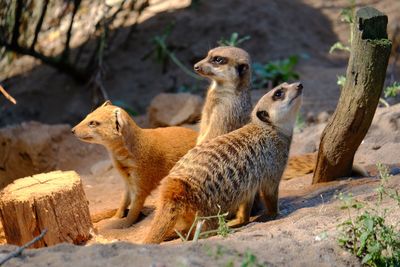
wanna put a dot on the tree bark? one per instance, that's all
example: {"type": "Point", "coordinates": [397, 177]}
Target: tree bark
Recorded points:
{"type": "Point", "coordinates": [370, 50]}
{"type": "Point", "coordinates": [54, 201]}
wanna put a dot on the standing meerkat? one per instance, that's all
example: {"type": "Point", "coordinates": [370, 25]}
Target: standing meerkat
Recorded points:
{"type": "Point", "coordinates": [229, 169]}
{"type": "Point", "coordinates": [142, 156]}
{"type": "Point", "coordinates": [227, 106]}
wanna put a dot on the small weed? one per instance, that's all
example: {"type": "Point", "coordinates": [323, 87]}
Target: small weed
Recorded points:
{"type": "Point", "coordinates": [246, 259]}
{"type": "Point", "coordinates": [275, 72]}
{"type": "Point", "coordinates": [367, 234]}
{"type": "Point", "coordinates": [250, 260]}
{"type": "Point", "coordinates": [341, 80]}
{"type": "Point", "coordinates": [222, 230]}
{"type": "Point", "coordinates": [163, 53]}
{"type": "Point", "coordinates": [233, 40]}
{"type": "Point", "coordinates": [392, 90]}
{"type": "Point", "coordinates": [300, 123]}
{"type": "Point", "coordinates": [347, 16]}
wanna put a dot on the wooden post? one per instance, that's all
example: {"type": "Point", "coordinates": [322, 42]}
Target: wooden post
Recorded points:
{"type": "Point", "coordinates": [54, 201]}
{"type": "Point", "coordinates": [370, 50]}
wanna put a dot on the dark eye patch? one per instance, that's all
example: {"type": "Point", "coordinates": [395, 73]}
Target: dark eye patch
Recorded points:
{"type": "Point", "coordinates": [263, 115]}
{"type": "Point", "coordinates": [93, 124]}
{"type": "Point", "coordinates": [218, 60]}
{"type": "Point", "coordinates": [279, 94]}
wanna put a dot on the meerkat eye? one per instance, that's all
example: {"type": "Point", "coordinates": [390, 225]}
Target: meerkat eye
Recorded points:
{"type": "Point", "coordinates": [93, 124]}
{"type": "Point", "coordinates": [279, 94]}
{"type": "Point", "coordinates": [219, 60]}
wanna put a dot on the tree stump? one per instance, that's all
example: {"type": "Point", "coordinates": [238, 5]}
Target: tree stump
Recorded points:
{"type": "Point", "coordinates": [54, 201]}
{"type": "Point", "coordinates": [370, 50]}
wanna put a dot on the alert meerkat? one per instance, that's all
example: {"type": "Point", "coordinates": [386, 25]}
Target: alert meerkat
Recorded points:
{"type": "Point", "coordinates": [229, 169]}
{"type": "Point", "coordinates": [142, 156]}
{"type": "Point", "coordinates": [227, 106]}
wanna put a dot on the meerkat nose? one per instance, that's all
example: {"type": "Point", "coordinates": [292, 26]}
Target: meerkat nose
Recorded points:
{"type": "Point", "coordinates": [299, 86]}
{"type": "Point", "coordinates": [196, 67]}
{"type": "Point", "coordinates": [73, 130]}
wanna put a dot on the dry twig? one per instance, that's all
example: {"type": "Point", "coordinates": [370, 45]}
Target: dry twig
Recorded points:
{"type": "Point", "coordinates": [19, 250]}
{"type": "Point", "coordinates": [7, 95]}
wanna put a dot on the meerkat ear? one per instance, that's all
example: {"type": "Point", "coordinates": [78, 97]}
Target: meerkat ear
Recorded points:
{"type": "Point", "coordinates": [107, 103]}
{"type": "Point", "coordinates": [242, 69]}
{"type": "Point", "coordinates": [118, 121]}
{"type": "Point", "coordinates": [263, 116]}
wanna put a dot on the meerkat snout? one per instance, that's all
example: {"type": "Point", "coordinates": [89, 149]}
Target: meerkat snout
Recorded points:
{"type": "Point", "coordinates": [280, 106]}
{"type": "Point", "coordinates": [225, 64]}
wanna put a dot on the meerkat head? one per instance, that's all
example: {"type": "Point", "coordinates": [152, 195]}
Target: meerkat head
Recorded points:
{"type": "Point", "coordinates": [279, 107]}
{"type": "Point", "coordinates": [102, 126]}
{"type": "Point", "coordinates": [226, 65]}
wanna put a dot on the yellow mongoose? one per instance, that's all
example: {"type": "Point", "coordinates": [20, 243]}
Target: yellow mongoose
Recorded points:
{"type": "Point", "coordinates": [142, 156]}
{"type": "Point", "coordinates": [227, 106]}
{"type": "Point", "coordinates": [229, 169]}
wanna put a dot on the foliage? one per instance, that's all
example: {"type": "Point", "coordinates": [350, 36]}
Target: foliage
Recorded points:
{"type": "Point", "coordinates": [275, 72]}
{"type": "Point", "coordinates": [246, 259]}
{"type": "Point", "coordinates": [368, 235]}
{"type": "Point", "coordinates": [222, 230]}
{"type": "Point", "coordinates": [347, 16]}
{"type": "Point", "coordinates": [300, 123]}
{"type": "Point", "coordinates": [339, 46]}
{"type": "Point", "coordinates": [233, 40]}
{"type": "Point", "coordinates": [341, 80]}
{"type": "Point", "coordinates": [163, 53]}
{"type": "Point", "coordinates": [392, 90]}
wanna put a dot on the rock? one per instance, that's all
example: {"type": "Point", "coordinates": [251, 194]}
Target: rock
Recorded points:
{"type": "Point", "coordinates": [174, 109]}
{"type": "Point", "coordinates": [323, 117]}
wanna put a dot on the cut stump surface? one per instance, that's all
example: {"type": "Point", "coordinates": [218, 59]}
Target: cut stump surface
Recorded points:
{"type": "Point", "coordinates": [54, 201]}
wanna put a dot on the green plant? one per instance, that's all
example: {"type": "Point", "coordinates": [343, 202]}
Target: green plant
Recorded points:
{"type": "Point", "coordinates": [222, 230]}
{"type": "Point", "coordinates": [233, 40]}
{"type": "Point", "coordinates": [300, 123]}
{"type": "Point", "coordinates": [250, 260]}
{"type": "Point", "coordinates": [163, 53]}
{"type": "Point", "coordinates": [392, 90]}
{"type": "Point", "coordinates": [341, 80]}
{"type": "Point", "coordinates": [368, 235]}
{"type": "Point", "coordinates": [347, 16]}
{"type": "Point", "coordinates": [275, 72]}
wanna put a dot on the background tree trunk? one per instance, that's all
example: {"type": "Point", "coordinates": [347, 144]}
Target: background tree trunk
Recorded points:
{"type": "Point", "coordinates": [370, 50]}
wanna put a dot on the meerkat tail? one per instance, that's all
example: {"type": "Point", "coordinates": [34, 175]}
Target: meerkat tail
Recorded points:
{"type": "Point", "coordinates": [102, 215]}
{"type": "Point", "coordinates": [301, 165]}
{"type": "Point", "coordinates": [162, 224]}
{"type": "Point", "coordinates": [169, 210]}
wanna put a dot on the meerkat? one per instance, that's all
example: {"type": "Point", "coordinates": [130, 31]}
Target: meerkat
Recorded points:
{"type": "Point", "coordinates": [227, 106]}
{"type": "Point", "coordinates": [228, 170]}
{"type": "Point", "coordinates": [142, 156]}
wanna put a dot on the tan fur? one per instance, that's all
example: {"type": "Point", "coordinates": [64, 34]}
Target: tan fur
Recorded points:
{"type": "Point", "coordinates": [301, 165]}
{"type": "Point", "coordinates": [227, 106]}
{"type": "Point", "coordinates": [142, 156]}
{"type": "Point", "coordinates": [229, 169]}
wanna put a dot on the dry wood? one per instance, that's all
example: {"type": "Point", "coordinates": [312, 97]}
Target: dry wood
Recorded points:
{"type": "Point", "coordinates": [370, 50]}
{"type": "Point", "coordinates": [7, 95]}
{"type": "Point", "coordinates": [53, 201]}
